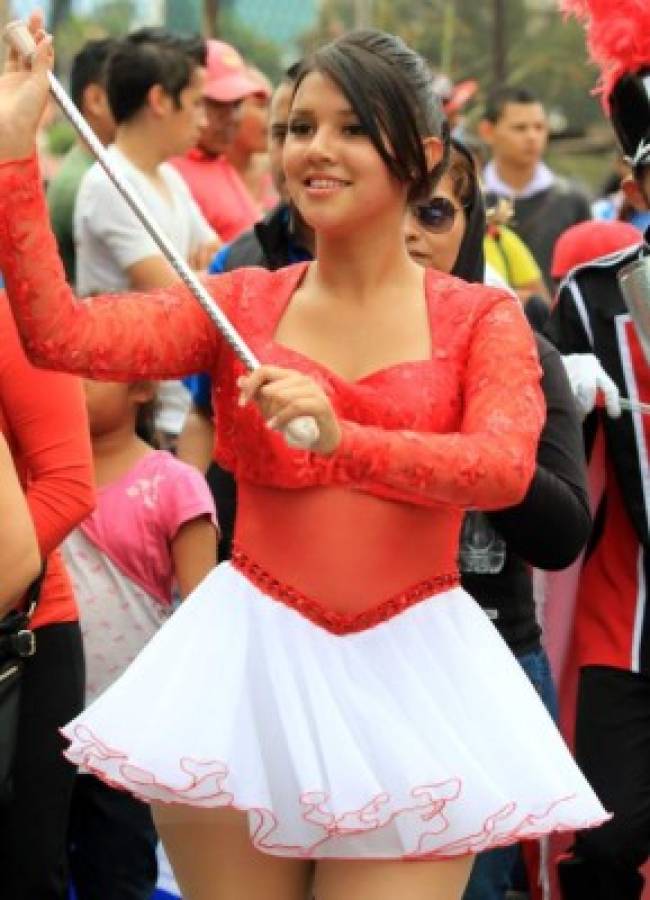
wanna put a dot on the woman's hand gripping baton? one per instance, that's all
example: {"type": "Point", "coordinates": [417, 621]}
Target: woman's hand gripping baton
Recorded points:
{"type": "Point", "coordinates": [302, 432]}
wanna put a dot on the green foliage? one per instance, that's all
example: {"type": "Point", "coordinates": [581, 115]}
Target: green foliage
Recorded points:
{"type": "Point", "coordinates": [115, 16]}
{"type": "Point", "coordinates": [60, 138]}
{"type": "Point", "coordinates": [254, 47]}
{"type": "Point", "coordinates": [543, 51]}
{"type": "Point", "coordinates": [110, 18]}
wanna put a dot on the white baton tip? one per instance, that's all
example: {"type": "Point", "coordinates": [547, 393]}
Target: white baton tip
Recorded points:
{"type": "Point", "coordinates": [19, 37]}
{"type": "Point", "coordinates": [302, 433]}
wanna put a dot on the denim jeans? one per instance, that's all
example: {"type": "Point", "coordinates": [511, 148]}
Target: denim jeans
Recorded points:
{"type": "Point", "coordinates": [492, 874]}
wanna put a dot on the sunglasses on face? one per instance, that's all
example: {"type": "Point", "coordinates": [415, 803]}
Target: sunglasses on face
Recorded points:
{"type": "Point", "coordinates": [437, 215]}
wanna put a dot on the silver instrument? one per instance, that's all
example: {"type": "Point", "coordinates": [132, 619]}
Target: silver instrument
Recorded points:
{"type": "Point", "coordinates": [302, 432]}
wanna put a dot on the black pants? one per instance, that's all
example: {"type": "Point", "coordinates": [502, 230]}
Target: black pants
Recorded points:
{"type": "Point", "coordinates": [613, 751]}
{"type": "Point", "coordinates": [112, 844]}
{"type": "Point", "coordinates": [224, 491]}
{"type": "Point", "coordinates": [34, 823]}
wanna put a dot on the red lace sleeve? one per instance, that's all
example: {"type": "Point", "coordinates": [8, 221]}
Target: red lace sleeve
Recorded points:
{"type": "Point", "coordinates": [162, 334]}
{"type": "Point", "coordinates": [490, 462]}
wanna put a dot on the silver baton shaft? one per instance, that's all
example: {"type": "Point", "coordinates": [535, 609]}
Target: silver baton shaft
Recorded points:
{"type": "Point", "coordinates": [302, 431]}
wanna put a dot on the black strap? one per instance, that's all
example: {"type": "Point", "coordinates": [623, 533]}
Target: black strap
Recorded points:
{"type": "Point", "coordinates": [34, 591]}
{"type": "Point", "coordinates": [16, 638]}
{"type": "Point", "coordinates": [21, 643]}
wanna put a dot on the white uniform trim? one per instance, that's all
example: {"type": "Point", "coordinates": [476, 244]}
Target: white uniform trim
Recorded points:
{"type": "Point", "coordinates": [644, 466]}
{"type": "Point", "coordinates": [581, 310]}
{"type": "Point", "coordinates": [639, 613]}
{"type": "Point", "coordinates": [602, 262]}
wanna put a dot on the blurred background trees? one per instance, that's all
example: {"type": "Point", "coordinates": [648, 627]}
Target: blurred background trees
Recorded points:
{"type": "Point", "coordinates": [519, 40]}
{"type": "Point", "coordinates": [522, 41]}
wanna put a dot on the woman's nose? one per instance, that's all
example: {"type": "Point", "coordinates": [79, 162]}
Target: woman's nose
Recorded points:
{"type": "Point", "coordinates": [321, 145]}
{"type": "Point", "coordinates": [411, 228]}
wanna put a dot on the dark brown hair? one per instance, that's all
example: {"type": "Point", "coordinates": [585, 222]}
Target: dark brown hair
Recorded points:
{"type": "Point", "coordinates": [461, 171]}
{"type": "Point", "coordinates": [147, 57]}
{"type": "Point", "coordinates": [390, 88]}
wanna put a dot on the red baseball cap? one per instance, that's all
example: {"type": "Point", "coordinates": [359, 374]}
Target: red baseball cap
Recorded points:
{"type": "Point", "coordinates": [227, 77]}
{"type": "Point", "coordinates": [586, 241]}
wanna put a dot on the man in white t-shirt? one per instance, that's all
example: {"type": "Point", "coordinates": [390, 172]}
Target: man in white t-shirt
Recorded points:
{"type": "Point", "coordinates": [155, 89]}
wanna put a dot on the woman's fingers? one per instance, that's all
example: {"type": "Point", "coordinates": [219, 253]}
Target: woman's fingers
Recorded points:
{"type": "Point", "coordinates": [249, 385]}
{"type": "Point", "coordinates": [24, 88]}
{"type": "Point", "coordinates": [284, 395]}
{"type": "Point", "coordinates": [274, 408]}
{"type": "Point", "coordinates": [295, 408]}
{"type": "Point", "coordinates": [29, 44]}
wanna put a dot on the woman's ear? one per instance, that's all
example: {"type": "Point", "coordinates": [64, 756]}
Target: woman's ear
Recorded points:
{"type": "Point", "coordinates": [433, 150]}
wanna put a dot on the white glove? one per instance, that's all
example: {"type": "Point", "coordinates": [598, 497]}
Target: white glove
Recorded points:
{"type": "Point", "coordinates": [587, 379]}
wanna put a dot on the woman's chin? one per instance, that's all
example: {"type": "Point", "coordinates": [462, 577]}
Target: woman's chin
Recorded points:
{"type": "Point", "coordinates": [422, 259]}
{"type": "Point", "coordinates": [327, 224]}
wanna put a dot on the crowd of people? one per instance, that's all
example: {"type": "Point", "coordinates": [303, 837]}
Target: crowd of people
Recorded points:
{"type": "Point", "coordinates": [331, 671]}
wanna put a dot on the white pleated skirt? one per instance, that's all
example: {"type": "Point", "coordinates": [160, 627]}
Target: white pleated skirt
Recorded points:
{"type": "Point", "coordinates": [418, 738]}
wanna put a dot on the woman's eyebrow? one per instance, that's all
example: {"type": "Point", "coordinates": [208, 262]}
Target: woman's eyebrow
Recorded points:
{"type": "Point", "coordinates": [305, 111]}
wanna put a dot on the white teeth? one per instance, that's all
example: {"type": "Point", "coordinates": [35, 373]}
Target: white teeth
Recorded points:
{"type": "Point", "coordinates": [323, 183]}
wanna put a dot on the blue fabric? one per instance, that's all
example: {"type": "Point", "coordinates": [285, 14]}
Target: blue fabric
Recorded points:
{"type": "Point", "coordinates": [492, 873]}
{"type": "Point", "coordinates": [200, 387]}
{"type": "Point", "coordinates": [218, 264]}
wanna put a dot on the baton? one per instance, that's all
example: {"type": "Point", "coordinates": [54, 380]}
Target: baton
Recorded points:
{"type": "Point", "coordinates": [302, 432]}
{"type": "Point", "coordinates": [634, 406]}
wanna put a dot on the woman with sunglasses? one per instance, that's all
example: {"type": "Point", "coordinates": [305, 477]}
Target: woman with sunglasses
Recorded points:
{"type": "Point", "coordinates": [441, 217]}
{"type": "Point", "coordinates": [314, 717]}
{"type": "Point", "coordinates": [550, 527]}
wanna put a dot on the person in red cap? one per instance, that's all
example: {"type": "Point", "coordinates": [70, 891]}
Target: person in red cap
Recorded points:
{"type": "Point", "coordinates": [611, 638]}
{"type": "Point", "coordinates": [248, 149]}
{"type": "Point", "coordinates": [587, 241]}
{"type": "Point", "coordinates": [214, 182]}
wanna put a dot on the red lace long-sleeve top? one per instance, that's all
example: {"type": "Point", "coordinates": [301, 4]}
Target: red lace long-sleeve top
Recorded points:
{"type": "Point", "coordinates": [43, 418]}
{"type": "Point", "coordinates": [377, 521]}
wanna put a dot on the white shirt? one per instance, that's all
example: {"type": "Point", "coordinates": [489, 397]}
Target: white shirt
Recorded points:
{"type": "Point", "coordinates": [492, 279]}
{"type": "Point", "coordinates": [542, 180]}
{"type": "Point", "coordinates": [116, 615]}
{"type": "Point", "coordinates": [109, 239]}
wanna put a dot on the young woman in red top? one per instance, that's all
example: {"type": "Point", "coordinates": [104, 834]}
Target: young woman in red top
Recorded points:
{"type": "Point", "coordinates": [43, 419]}
{"type": "Point", "coordinates": [329, 705]}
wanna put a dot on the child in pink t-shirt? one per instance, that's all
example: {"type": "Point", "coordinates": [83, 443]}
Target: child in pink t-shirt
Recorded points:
{"type": "Point", "coordinates": [151, 539]}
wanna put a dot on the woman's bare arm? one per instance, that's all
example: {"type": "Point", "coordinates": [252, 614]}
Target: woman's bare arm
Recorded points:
{"type": "Point", "coordinates": [19, 557]}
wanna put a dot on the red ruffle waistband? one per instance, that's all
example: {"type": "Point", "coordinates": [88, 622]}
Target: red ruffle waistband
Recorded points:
{"type": "Point", "coordinates": [332, 620]}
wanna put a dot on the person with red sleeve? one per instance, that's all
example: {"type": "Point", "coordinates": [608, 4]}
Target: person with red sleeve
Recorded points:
{"type": "Point", "coordinates": [43, 420]}
{"type": "Point", "coordinates": [215, 183]}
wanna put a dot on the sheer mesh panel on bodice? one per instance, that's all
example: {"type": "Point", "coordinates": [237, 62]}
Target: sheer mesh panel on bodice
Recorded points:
{"type": "Point", "coordinates": [423, 439]}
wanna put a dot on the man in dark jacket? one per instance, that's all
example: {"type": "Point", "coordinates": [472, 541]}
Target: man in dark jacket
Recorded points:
{"type": "Point", "coordinates": [515, 126]}
{"type": "Point", "coordinates": [612, 628]}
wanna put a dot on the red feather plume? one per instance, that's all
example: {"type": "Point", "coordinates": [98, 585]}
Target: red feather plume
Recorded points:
{"type": "Point", "coordinates": [618, 36]}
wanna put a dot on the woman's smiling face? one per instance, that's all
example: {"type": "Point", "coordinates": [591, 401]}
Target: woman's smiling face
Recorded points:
{"type": "Point", "coordinates": [334, 173]}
